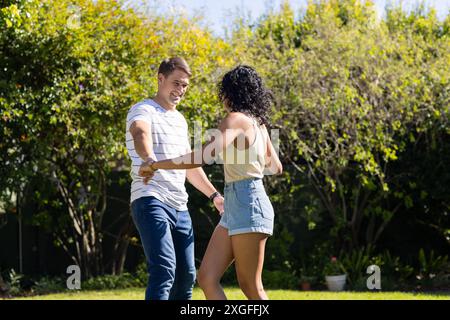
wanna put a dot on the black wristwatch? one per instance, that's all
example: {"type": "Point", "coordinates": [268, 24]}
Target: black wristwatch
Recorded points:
{"type": "Point", "coordinates": [215, 194]}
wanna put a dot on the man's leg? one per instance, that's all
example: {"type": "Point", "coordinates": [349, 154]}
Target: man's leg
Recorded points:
{"type": "Point", "coordinates": [154, 223]}
{"type": "Point", "coordinates": [183, 238]}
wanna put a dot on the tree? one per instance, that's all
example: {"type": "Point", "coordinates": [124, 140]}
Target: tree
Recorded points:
{"type": "Point", "coordinates": [351, 93]}
{"type": "Point", "coordinates": [70, 74]}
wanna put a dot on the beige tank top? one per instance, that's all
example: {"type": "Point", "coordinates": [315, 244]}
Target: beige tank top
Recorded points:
{"type": "Point", "coordinates": [240, 163]}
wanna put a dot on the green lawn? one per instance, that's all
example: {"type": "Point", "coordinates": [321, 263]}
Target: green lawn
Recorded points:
{"type": "Point", "coordinates": [236, 294]}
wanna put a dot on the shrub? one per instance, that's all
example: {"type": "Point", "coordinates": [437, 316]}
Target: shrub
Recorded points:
{"type": "Point", "coordinates": [433, 270]}
{"type": "Point", "coordinates": [395, 275]}
{"type": "Point", "coordinates": [280, 280]}
{"type": "Point", "coordinates": [108, 282]}
{"type": "Point", "coordinates": [48, 285]}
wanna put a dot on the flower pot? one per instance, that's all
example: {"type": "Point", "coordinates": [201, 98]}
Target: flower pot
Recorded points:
{"type": "Point", "coordinates": [306, 286]}
{"type": "Point", "coordinates": [336, 283]}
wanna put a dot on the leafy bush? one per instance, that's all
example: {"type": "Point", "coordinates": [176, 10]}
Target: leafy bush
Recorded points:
{"type": "Point", "coordinates": [280, 280]}
{"type": "Point", "coordinates": [395, 275]}
{"type": "Point", "coordinates": [69, 73]}
{"type": "Point", "coordinates": [433, 270]}
{"type": "Point", "coordinates": [18, 284]}
{"type": "Point", "coordinates": [142, 273]}
{"type": "Point", "coordinates": [14, 282]}
{"type": "Point", "coordinates": [314, 262]}
{"type": "Point", "coordinates": [355, 264]}
{"type": "Point", "coordinates": [361, 104]}
{"type": "Point", "coordinates": [109, 282]}
{"type": "Point", "coordinates": [48, 285]}
{"type": "Point", "coordinates": [353, 93]}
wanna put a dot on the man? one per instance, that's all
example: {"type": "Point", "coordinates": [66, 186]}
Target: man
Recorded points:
{"type": "Point", "coordinates": [156, 131]}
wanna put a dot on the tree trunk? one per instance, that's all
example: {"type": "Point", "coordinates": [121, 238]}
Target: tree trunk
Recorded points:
{"type": "Point", "coordinates": [121, 246]}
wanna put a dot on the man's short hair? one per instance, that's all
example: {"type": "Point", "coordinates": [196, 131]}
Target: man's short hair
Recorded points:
{"type": "Point", "coordinates": [170, 65]}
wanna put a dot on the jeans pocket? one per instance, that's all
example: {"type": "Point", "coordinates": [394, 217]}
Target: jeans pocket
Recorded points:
{"type": "Point", "coordinates": [242, 197]}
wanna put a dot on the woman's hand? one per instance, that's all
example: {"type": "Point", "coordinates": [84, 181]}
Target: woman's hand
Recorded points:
{"type": "Point", "coordinates": [219, 204]}
{"type": "Point", "coordinates": [147, 171]}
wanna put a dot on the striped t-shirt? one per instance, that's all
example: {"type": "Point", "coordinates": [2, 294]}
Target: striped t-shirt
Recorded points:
{"type": "Point", "coordinates": [170, 139]}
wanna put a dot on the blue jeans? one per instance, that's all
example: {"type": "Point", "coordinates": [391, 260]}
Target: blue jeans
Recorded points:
{"type": "Point", "coordinates": [168, 240]}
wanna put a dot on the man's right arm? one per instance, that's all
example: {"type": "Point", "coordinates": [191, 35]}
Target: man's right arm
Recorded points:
{"type": "Point", "coordinates": [143, 142]}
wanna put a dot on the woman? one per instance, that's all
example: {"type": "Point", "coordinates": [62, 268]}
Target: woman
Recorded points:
{"type": "Point", "coordinates": [247, 153]}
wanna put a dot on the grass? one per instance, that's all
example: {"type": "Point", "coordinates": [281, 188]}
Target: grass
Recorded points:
{"type": "Point", "coordinates": [236, 294]}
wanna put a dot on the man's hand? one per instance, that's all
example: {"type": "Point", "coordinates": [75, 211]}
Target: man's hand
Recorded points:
{"type": "Point", "coordinates": [219, 204]}
{"type": "Point", "coordinates": [146, 171]}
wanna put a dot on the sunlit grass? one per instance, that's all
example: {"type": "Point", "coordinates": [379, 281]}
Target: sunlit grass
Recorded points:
{"type": "Point", "coordinates": [236, 294]}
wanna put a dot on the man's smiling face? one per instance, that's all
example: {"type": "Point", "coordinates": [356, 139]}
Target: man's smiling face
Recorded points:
{"type": "Point", "coordinates": [173, 87]}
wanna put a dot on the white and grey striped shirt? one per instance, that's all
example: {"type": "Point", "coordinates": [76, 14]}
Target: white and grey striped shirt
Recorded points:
{"type": "Point", "coordinates": [170, 139]}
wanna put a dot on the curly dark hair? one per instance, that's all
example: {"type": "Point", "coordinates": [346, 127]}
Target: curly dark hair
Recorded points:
{"type": "Point", "coordinates": [243, 90]}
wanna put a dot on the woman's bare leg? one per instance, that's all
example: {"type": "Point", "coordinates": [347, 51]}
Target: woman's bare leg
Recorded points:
{"type": "Point", "coordinates": [217, 259]}
{"type": "Point", "coordinates": [248, 251]}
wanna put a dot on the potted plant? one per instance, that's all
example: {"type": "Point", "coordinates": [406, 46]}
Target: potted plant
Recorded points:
{"type": "Point", "coordinates": [334, 275]}
{"type": "Point", "coordinates": [305, 282]}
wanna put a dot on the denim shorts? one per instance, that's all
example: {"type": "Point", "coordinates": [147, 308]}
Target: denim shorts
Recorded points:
{"type": "Point", "coordinates": [247, 208]}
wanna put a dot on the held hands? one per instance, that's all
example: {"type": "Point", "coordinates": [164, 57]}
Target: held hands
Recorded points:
{"type": "Point", "coordinates": [146, 170]}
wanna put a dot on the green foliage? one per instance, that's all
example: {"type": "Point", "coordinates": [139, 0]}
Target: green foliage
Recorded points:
{"type": "Point", "coordinates": [123, 281]}
{"type": "Point", "coordinates": [431, 271]}
{"type": "Point", "coordinates": [395, 275]}
{"type": "Point", "coordinates": [142, 273]}
{"type": "Point", "coordinates": [355, 264]}
{"type": "Point", "coordinates": [313, 262]}
{"type": "Point", "coordinates": [334, 267]}
{"type": "Point", "coordinates": [14, 282]}
{"type": "Point", "coordinates": [431, 266]}
{"type": "Point", "coordinates": [21, 285]}
{"type": "Point", "coordinates": [361, 105]}
{"type": "Point", "coordinates": [46, 285]}
{"type": "Point", "coordinates": [352, 93]}
{"type": "Point", "coordinates": [70, 71]}
{"type": "Point", "coordinates": [280, 279]}
{"type": "Point", "coordinates": [279, 247]}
